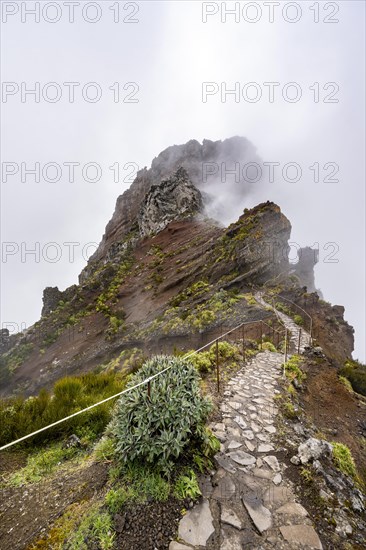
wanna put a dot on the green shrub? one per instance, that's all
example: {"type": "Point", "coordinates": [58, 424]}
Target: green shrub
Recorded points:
{"type": "Point", "coordinates": [293, 370]}
{"type": "Point", "coordinates": [20, 416]}
{"type": "Point", "coordinates": [299, 320]}
{"type": "Point", "coordinates": [355, 372]}
{"type": "Point", "coordinates": [205, 361]}
{"type": "Point", "coordinates": [343, 459]}
{"type": "Point", "coordinates": [284, 309]}
{"type": "Point", "coordinates": [156, 429]}
{"type": "Point", "coordinates": [269, 346]}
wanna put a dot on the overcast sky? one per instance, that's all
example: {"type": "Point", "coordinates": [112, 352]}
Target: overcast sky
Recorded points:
{"type": "Point", "coordinates": [149, 62]}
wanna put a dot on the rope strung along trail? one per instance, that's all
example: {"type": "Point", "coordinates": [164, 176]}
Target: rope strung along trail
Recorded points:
{"type": "Point", "coordinates": [146, 381]}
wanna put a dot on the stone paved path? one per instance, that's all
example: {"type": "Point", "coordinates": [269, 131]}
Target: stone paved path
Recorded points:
{"type": "Point", "coordinates": [248, 503]}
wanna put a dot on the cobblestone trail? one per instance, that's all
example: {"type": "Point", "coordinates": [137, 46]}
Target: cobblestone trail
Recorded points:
{"type": "Point", "coordinates": [248, 503]}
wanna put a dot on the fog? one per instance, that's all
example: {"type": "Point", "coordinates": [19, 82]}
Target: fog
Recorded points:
{"type": "Point", "coordinates": [175, 73]}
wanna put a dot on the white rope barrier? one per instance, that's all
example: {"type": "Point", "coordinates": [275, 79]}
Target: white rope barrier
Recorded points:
{"type": "Point", "coordinates": [120, 393]}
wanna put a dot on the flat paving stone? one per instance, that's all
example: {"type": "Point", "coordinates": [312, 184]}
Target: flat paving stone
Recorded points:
{"type": "Point", "coordinates": [250, 446]}
{"type": "Point", "coordinates": [196, 526]}
{"type": "Point", "coordinates": [225, 463]}
{"type": "Point", "coordinates": [242, 458]}
{"type": "Point", "coordinates": [221, 436]}
{"type": "Point", "coordinates": [265, 448]}
{"type": "Point", "coordinates": [260, 515]}
{"type": "Point", "coordinates": [231, 541]}
{"type": "Point", "coordinates": [270, 429]}
{"type": "Point", "coordinates": [224, 490]}
{"type": "Point", "coordinates": [230, 517]}
{"type": "Point", "coordinates": [276, 495]}
{"type": "Point", "coordinates": [248, 434]}
{"type": "Point", "coordinates": [262, 473]}
{"type": "Point", "coordinates": [234, 445]}
{"type": "Point", "coordinates": [277, 479]}
{"type": "Point", "coordinates": [240, 422]}
{"type": "Point", "coordinates": [301, 534]}
{"type": "Point", "coordinates": [292, 509]}
{"type": "Point", "coordinates": [263, 437]}
{"type": "Point", "coordinates": [272, 462]}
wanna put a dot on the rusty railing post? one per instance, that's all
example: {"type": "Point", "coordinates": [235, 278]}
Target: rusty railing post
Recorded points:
{"type": "Point", "coordinates": [261, 336]}
{"type": "Point", "coordinates": [286, 338]}
{"type": "Point", "coordinates": [217, 366]}
{"type": "Point", "coordinates": [299, 341]}
{"type": "Point", "coordinates": [243, 343]}
{"type": "Point", "coordinates": [149, 389]}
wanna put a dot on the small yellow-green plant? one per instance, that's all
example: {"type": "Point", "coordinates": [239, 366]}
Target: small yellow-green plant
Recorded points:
{"type": "Point", "coordinates": [299, 320]}
{"type": "Point", "coordinates": [187, 486]}
{"type": "Point", "coordinates": [95, 529]}
{"type": "Point", "coordinates": [346, 383]}
{"type": "Point", "coordinates": [268, 346]}
{"type": "Point", "coordinates": [343, 459]}
{"type": "Point", "coordinates": [293, 370]}
{"type": "Point", "coordinates": [43, 462]}
{"type": "Point", "coordinates": [307, 475]}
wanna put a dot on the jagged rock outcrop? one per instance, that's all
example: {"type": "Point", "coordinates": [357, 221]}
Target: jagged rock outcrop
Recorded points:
{"type": "Point", "coordinates": [304, 269]}
{"type": "Point", "coordinates": [51, 297]}
{"type": "Point", "coordinates": [175, 198]}
{"type": "Point", "coordinates": [208, 167]}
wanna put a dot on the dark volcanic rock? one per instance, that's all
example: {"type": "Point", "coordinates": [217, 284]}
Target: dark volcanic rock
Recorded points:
{"type": "Point", "coordinates": [51, 297]}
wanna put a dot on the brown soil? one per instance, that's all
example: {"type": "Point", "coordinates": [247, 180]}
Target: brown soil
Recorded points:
{"type": "Point", "coordinates": [27, 511]}
{"type": "Point", "coordinates": [335, 411]}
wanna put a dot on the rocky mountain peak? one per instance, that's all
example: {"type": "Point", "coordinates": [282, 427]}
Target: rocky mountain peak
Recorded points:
{"type": "Point", "coordinates": [206, 165]}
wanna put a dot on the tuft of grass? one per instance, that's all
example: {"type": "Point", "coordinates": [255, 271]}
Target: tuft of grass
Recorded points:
{"type": "Point", "coordinates": [307, 475]}
{"type": "Point", "coordinates": [95, 530]}
{"type": "Point", "coordinates": [44, 463]}
{"type": "Point", "coordinates": [343, 459]}
{"type": "Point", "coordinates": [104, 450]}
{"type": "Point", "coordinates": [289, 410]}
{"type": "Point", "coordinates": [115, 499]}
{"type": "Point", "coordinates": [136, 483]}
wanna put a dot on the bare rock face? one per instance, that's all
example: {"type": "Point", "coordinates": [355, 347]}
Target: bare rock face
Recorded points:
{"type": "Point", "coordinates": [307, 259]}
{"type": "Point", "coordinates": [256, 245]}
{"type": "Point", "coordinates": [175, 198]}
{"type": "Point", "coordinates": [51, 297]}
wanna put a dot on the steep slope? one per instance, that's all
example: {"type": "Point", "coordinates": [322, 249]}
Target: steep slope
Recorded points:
{"type": "Point", "coordinates": [165, 274]}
